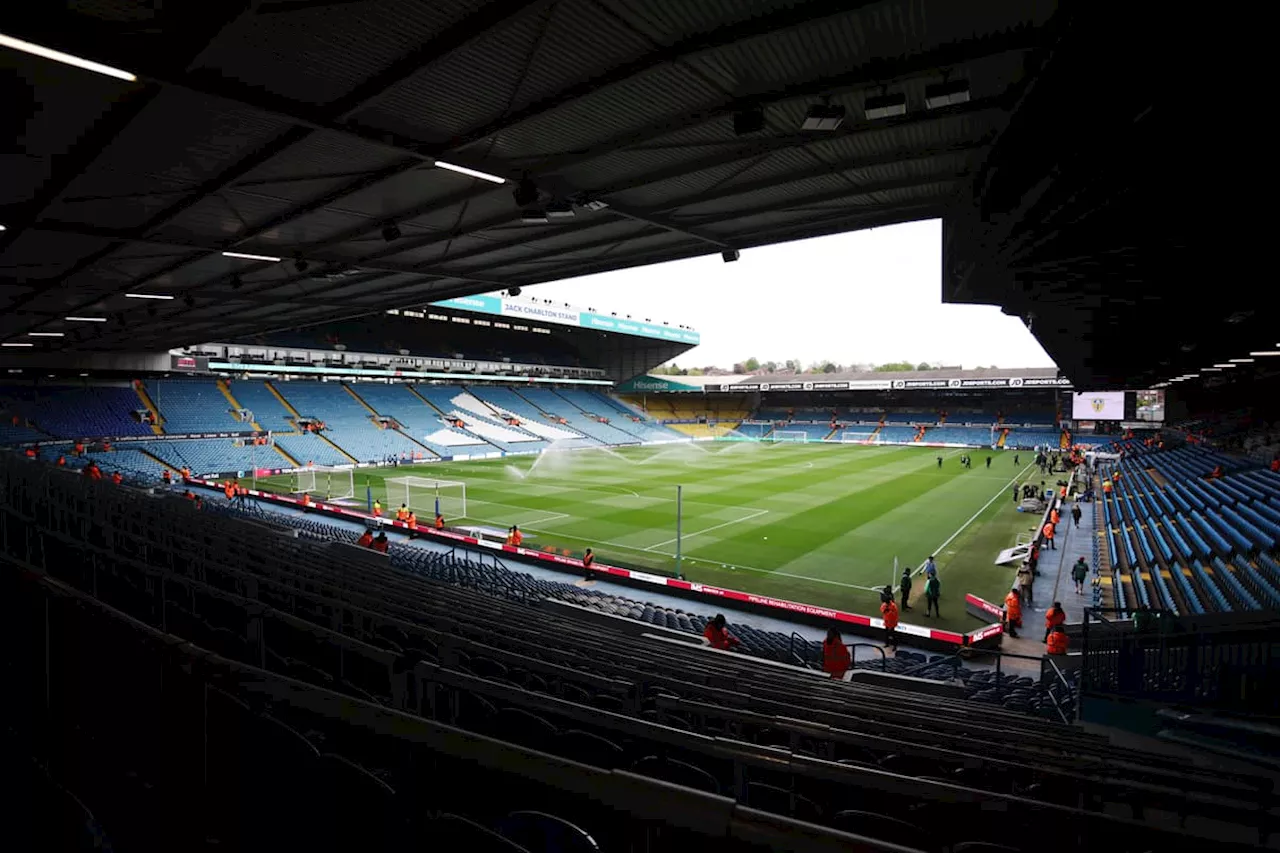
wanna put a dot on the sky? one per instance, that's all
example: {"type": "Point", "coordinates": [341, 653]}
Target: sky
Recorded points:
{"type": "Point", "coordinates": [866, 297]}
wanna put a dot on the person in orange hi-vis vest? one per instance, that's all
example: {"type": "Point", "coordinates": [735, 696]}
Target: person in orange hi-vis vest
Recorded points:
{"type": "Point", "coordinates": [516, 536]}
{"type": "Point", "coordinates": [1053, 618]}
{"type": "Point", "coordinates": [1048, 530]}
{"type": "Point", "coordinates": [1058, 641]}
{"type": "Point", "coordinates": [1012, 612]}
{"type": "Point", "coordinates": [889, 612]}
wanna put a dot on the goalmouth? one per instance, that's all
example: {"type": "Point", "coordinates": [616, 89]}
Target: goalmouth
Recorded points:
{"type": "Point", "coordinates": [327, 483]}
{"type": "Point", "coordinates": [796, 435]}
{"type": "Point", "coordinates": [419, 494]}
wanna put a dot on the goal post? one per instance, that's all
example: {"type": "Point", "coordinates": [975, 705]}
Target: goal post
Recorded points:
{"type": "Point", "coordinates": [419, 494]}
{"type": "Point", "coordinates": [326, 483]}
{"type": "Point", "coordinates": [858, 437]}
{"type": "Point", "coordinates": [792, 435]}
{"type": "Point", "coordinates": [304, 481]}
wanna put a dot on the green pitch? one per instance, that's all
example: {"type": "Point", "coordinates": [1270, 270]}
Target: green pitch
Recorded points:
{"type": "Point", "coordinates": [814, 523]}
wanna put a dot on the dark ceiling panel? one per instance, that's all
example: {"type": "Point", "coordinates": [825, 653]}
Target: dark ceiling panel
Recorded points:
{"type": "Point", "coordinates": [303, 130]}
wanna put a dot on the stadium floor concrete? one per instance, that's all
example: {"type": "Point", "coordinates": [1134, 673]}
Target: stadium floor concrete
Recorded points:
{"type": "Point", "coordinates": [1054, 584]}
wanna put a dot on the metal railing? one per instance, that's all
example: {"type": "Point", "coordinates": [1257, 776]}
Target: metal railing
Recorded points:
{"type": "Point", "coordinates": [1224, 661]}
{"type": "Point", "coordinates": [957, 660]}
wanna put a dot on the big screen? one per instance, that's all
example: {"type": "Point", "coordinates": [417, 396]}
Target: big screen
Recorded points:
{"type": "Point", "coordinates": [1097, 406]}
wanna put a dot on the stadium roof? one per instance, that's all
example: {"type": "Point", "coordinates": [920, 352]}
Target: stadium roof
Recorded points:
{"type": "Point", "coordinates": [327, 133]}
{"type": "Point", "coordinates": [311, 130]}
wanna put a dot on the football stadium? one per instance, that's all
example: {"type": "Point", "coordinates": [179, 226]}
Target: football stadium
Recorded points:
{"type": "Point", "coordinates": [323, 527]}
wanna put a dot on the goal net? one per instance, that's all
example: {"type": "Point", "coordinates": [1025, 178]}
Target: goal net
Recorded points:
{"type": "Point", "coordinates": [419, 494]}
{"type": "Point", "coordinates": [797, 435]}
{"type": "Point", "coordinates": [327, 483]}
{"type": "Point", "coordinates": [866, 436]}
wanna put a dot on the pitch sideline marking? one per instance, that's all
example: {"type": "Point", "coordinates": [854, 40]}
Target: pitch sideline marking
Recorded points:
{"type": "Point", "coordinates": [755, 514]}
{"type": "Point", "coordinates": [1003, 491]}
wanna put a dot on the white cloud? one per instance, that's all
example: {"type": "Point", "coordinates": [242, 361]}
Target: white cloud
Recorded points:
{"type": "Point", "coordinates": [863, 297]}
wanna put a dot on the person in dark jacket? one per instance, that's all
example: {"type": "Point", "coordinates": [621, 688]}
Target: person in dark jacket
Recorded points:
{"type": "Point", "coordinates": [1079, 572]}
{"type": "Point", "coordinates": [904, 587]}
{"type": "Point", "coordinates": [932, 592]}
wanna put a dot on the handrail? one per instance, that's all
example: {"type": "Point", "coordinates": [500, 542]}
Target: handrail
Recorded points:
{"type": "Point", "coordinates": [1063, 680]}
{"type": "Point", "coordinates": [793, 654]}
{"type": "Point", "coordinates": [884, 659]}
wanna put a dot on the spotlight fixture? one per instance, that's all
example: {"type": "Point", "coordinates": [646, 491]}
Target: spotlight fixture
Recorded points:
{"type": "Point", "coordinates": [823, 117]}
{"type": "Point", "coordinates": [65, 58]}
{"type": "Point", "coordinates": [1265, 352]}
{"type": "Point", "coordinates": [147, 296]}
{"type": "Point", "coordinates": [748, 121]}
{"type": "Point", "coordinates": [46, 335]}
{"type": "Point", "coordinates": [246, 256]}
{"type": "Point", "coordinates": [559, 210]}
{"type": "Point", "coordinates": [15, 344]}
{"type": "Point", "coordinates": [946, 94]}
{"type": "Point", "coordinates": [886, 106]}
{"type": "Point", "coordinates": [1241, 360]}
{"type": "Point", "coordinates": [86, 319]}
{"type": "Point", "coordinates": [391, 232]}
{"type": "Point", "coordinates": [525, 193]}
{"type": "Point", "coordinates": [730, 256]}
{"type": "Point", "coordinates": [513, 291]}
{"type": "Point", "coordinates": [533, 216]}
{"type": "Point", "coordinates": [475, 173]}
{"type": "Point", "coordinates": [301, 264]}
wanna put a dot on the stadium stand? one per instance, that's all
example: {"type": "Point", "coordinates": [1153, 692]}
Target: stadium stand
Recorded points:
{"type": "Point", "coordinates": [958, 435]}
{"type": "Point", "coordinates": [1025, 439]}
{"type": "Point", "coordinates": [268, 410]}
{"type": "Point", "coordinates": [1190, 544]}
{"type": "Point", "coordinates": [308, 448]}
{"type": "Point", "coordinates": [349, 423]}
{"type": "Point", "coordinates": [211, 455]}
{"type": "Point", "coordinates": [896, 434]}
{"type": "Point", "coordinates": [507, 402]}
{"type": "Point", "coordinates": [193, 405]}
{"type": "Point", "coordinates": [85, 411]}
{"type": "Point", "coordinates": [706, 430]}
{"type": "Point", "coordinates": [629, 420]}
{"type": "Point", "coordinates": [546, 405]}
{"type": "Point", "coordinates": [296, 672]}
{"type": "Point", "coordinates": [484, 425]}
